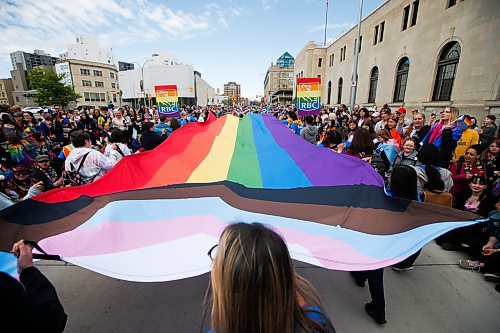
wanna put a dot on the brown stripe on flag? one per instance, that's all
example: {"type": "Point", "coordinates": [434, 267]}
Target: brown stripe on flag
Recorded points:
{"type": "Point", "coordinates": [366, 220]}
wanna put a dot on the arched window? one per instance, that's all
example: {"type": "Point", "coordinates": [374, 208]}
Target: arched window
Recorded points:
{"type": "Point", "coordinates": [373, 85]}
{"type": "Point", "coordinates": [339, 95]}
{"type": "Point", "coordinates": [401, 78]}
{"type": "Point", "coordinates": [447, 68]}
{"type": "Point", "coordinates": [329, 92]}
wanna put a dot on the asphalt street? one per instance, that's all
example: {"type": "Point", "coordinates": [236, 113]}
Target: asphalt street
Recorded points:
{"type": "Point", "coordinates": [437, 296]}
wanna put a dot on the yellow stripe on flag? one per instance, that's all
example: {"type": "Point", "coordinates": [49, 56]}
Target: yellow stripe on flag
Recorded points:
{"type": "Point", "coordinates": [215, 166]}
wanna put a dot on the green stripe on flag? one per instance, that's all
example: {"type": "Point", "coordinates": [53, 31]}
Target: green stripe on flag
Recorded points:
{"type": "Point", "coordinates": [245, 167]}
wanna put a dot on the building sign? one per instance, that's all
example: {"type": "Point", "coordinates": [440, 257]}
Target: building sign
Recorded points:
{"type": "Point", "coordinates": [167, 100]}
{"type": "Point", "coordinates": [64, 69]}
{"type": "Point", "coordinates": [308, 96]}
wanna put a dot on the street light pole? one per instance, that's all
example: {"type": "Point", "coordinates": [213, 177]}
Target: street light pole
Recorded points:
{"type": "Point", "coordinates": [141, 86]}
{"type": "Point", "coordinates": [326, 22]}
{"type": "Point", "coordinates": [354, 78]}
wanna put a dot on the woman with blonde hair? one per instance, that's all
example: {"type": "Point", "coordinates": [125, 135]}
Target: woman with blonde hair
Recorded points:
{"type": "Point", "coordinates": [444, 134]}
{"type": "Point", "coordinates": [255, 288]}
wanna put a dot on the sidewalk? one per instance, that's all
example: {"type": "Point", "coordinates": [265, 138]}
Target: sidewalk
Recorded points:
{"type": "Point", "coordinates": [437, 296]}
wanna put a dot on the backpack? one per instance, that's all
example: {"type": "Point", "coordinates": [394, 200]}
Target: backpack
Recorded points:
{"type": "Point", "coordinates": [378, 162]}
{"type": "Point", "coordinates": [73, 177]}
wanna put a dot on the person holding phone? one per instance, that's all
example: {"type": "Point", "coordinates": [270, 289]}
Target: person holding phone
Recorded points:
{"type": "Point", "coordinates": [31, 304]}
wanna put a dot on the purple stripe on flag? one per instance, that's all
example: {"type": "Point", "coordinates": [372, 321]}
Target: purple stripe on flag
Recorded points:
{"type": "Point", "coordinates": [322, 166]}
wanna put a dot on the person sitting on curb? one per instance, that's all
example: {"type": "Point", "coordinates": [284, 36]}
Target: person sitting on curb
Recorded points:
{"type": "Point", "coordinates": [489, 263]}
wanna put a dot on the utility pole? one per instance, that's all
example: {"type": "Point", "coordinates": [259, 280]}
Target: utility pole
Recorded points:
{"type": "Point", "coordinates": [326, 22]}
{"type": "Point", "coordinates": [354, 78]}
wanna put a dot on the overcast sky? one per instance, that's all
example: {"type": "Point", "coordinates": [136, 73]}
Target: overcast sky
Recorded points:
{"type": "Point", "coordinates": [225, 40]}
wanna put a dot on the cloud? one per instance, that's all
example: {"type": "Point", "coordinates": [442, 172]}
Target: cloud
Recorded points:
{"type": "Point", "coordinates": [52, 24]}
{"type": "Point", "coordinates": [332, 26]}
{"type": "Point", "coordinates": [268, 4]}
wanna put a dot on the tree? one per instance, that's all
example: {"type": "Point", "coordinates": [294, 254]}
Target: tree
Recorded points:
{"type": "Point", "coordinates": [50, 89]}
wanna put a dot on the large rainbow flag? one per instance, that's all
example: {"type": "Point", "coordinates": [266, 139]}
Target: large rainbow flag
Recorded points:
{"type": "Point", "coordinates": [169, 206]}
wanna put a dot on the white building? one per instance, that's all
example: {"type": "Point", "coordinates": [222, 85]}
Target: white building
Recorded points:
{"type": "Point", "coordinates": [164, 69]}
{"type": "Point", "coordinates": [87, 49]}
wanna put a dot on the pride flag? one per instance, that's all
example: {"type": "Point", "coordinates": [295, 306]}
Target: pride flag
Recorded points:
{"type": "Point", "coordinates": [167, 100]}
{"type": "Point", "coordinates": [308, 96]}
{"type": "Point", "coordinates": [168, 206]}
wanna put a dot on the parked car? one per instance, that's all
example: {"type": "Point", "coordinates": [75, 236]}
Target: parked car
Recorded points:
{"type": "Point", "coordinates": [33, 109]}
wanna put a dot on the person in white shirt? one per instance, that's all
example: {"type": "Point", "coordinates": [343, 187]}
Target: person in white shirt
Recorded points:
{"type": "Point", "coordinates": [116, 149]}
{"type": "Point", "coordinates": [93, 164]}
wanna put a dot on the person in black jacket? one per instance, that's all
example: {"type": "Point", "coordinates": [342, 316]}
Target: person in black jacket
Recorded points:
{"type": "Point", "coordinates": [32, 305]}
{"type": "Point", "coordinates": [149, 139]}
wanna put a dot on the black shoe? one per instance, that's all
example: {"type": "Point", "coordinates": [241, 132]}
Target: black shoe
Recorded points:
{"type": "Point", "coordinates": [359, 283]}
{"type": "Point", "coordinates": [497, 287]}
{"type": "Point", "coordinates": [379, 318]}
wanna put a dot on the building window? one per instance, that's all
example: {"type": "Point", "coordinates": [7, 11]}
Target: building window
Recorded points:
{"type": "Point", "coordinates": [360, 42]}
{"type": "Point", "coordinates": [84, 71]}
{"type": "Point", "coordinates": [113, 85]}
{"type": "Point", "coordinates": [382, 27]}
{"type": "Point", "coordinates": [329, 92]}
{"type": "Point", "coordinates": [375, 35]}
{"type": "Point", "coordinates": [99, 84]}
{"type": "Point", "coordinates": [406, 16]}
{"type": "Point", "coordinates": [447, 68]}
{"type": "Point", "coordinates": [342, 53]}
{"type": "Point", "coordinates": [97, 73]}
{"type": "Point", "coordinates": [451, 3]}
{"type": "Point", "coordinates": [401, 79]}
{"type": "Point", "coordinates": [112, 75]}
{"type": "Point", "coordinates": [373, 85]}
{"type": "Point", "coordinates": [339, 94]}
{"type": "Point", "coordinates": [94, 97]}
{"type": "Point", "coordinates": [86, 83]}
{"type": "Point", "coordinates": [320, 60]}
{"type": "Point", "coordinates": [332, 58]}
{"type": "Point", "coordinates": [114, 98]}
{"type": "Point", "coordinates": [414, 13]}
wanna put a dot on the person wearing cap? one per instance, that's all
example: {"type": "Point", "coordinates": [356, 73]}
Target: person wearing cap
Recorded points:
{"type": "Point", "coordinates": [375, 117]}
{"type": "Point", "coordinates": [43, 172]}
{"type": "Point", "coordinates": [18, 121]}
{"type": "Point", "coordinates": [402, 121]}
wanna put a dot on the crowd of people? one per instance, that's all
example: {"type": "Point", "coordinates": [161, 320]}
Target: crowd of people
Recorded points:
{"type": "Point", "coordinates": [447, 160]}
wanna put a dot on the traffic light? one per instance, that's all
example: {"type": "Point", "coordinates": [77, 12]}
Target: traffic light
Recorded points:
{"type": "Point", "coordinates": [218, 91]}
{"type": "Point", "coordinates": [149, 96]}
{"type": "Point", "coordinates": [234, 98]}
{"type": "Point", "coordinates": [191, 89]}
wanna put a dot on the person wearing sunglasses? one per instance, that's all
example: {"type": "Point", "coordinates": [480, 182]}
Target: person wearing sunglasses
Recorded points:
{"type": "Point", "coordinates": [255, 288]}
{"type": "Point", "coordinates": [45, 173]}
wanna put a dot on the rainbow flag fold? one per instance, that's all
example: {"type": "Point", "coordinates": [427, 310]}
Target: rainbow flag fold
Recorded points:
{"type": "Point", "coordinates": [169, 206]}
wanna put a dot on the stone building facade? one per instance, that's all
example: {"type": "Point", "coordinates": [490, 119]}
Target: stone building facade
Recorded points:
{"type": "Point", "coordinates": [423, 54]}
{"type": "Point", "coordinates": [97, 83]}
{"type": "Point", "coordinates": [278, 83]}
{"type": "Point", "coordinates": [232, 89]}
{"type": "Point", "coordinates": [6, 88]}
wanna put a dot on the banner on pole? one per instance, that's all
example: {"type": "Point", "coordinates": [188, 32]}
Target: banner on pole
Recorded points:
{"type": "Point", "coordinates": [308, 96]}
{"type": "Point", "coordinates": [167, 100]}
